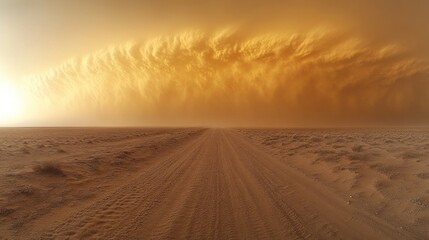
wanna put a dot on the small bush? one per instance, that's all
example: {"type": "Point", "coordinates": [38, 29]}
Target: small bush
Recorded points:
{"type": "Point", "coordinates": [49, 168]}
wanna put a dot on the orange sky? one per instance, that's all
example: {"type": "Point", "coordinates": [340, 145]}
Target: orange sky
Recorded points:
{"type": "Point", "coordinates": [216, 63]}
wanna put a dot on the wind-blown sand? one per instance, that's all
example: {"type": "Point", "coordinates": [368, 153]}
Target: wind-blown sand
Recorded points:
{"type": "Point", "coordinates": [106, 183]}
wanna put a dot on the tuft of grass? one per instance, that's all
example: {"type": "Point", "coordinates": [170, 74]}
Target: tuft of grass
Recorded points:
{"type": "Point", "coordinates": [50, 168]}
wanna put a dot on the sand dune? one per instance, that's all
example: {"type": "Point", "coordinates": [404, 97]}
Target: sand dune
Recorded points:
{"type": "Point", "coordinates": [214, 184]}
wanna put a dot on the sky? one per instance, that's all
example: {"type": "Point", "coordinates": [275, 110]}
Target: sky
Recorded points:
{"type": "Point", "coordinates": [214, 63]}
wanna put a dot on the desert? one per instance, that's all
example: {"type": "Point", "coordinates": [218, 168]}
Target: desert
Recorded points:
{"type": "Point", "coordinates": [214, 119]}
{"type": "Point", "coordinates": [200, 183]}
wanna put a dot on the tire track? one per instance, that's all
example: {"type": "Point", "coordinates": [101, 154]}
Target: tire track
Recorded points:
{"type": "Point", "coordinates": [110, 215]}
{"type": "Point", "coordinates": [219, 186]}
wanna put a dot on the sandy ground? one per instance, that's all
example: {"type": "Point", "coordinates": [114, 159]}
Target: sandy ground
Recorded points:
{"type": "Point", "coordinates": [214, 184]}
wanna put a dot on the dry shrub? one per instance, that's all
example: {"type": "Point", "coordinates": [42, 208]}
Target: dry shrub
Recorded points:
{"type": "Point", "coordinates": [357, 148]}
{"type": "Point", "coordinates": [93, 163]}
{"type": "Point", "coordinates": [18, 223]}
{"type": "Point", "coordinates": [355, 157]}
{"type": "Point", "coordinates": [123, 154]}
{"type": "Point", "coordinates": [5, 211]}
{"type": "Point", "coordinates": [117, 161]}
{"type": "Point", "coordinates": [423, 175]}
{"type": "Point", "coordinates": [50, 168]}
{"type": "Point", "coordinates": [379, 185]}
{"type": "Point", "coordinates": [25, 150]}
{"type": "Point", "coordinates": [410, 154]}
{"type": "Point", "coordinates": [25, 190]}
{"type": "Point", "coordinates": [60, 150]}
{"type": "Point", "coordinates": [329, 158]}
{"type": "Point", "coordinates": [315, 139]}
{"type": "Point", "coordinates": [323, 152]}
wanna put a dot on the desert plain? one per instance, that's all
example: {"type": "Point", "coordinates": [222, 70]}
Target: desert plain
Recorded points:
{"type": "Point", "coordinates": [198, 183]}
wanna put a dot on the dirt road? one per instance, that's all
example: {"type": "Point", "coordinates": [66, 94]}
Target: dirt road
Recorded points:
{"type": "Point", "coordinates": [221, 186]}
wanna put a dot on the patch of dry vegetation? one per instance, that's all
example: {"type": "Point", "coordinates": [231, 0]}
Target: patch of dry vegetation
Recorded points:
{"type": "Point", "coordinates": [60, 150]}
{"type": "Point", "coordinates": [357, 148]}
{"type": "Point", "coordinates": [409, 154]}
{"type": "Point", "coordinates": [25, 150]}
{"type": "Point", "coordinates": [356, 157]}
{"type": "Point", "coordinates": [5, 211]}
{"type": "Point", "coordinates": [25, 190]}
{"type": "Point", "coordinates": [50, 168]}
{"type": "Point", "coordinates": [122, 154]}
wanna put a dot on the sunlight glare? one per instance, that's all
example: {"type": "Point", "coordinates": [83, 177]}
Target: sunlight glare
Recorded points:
{"type": "Point", "coordinates": [10, 102]}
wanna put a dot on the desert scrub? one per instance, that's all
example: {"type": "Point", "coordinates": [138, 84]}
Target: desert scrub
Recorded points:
{"type": "Point", "coordinates": [25, 150]}
{"type": "Point", "coordinates": [315, 139]}
{"type": "Point", "coordinates": [122, 154]}
{"type": "Point", "coordinates": [50, 168]}
{"type": "Point", "coordinates": [5, 211]}
{"type": "Point", "coordinates": [60, 150]}
{"type": "Point", "coordinates": [357, 148]}
{"type": "Point", "coordinates": [356, 156]}
{"type": "Point", "coordinates": [117, 161]}
{"type": "Point", "coordinates": [25, 190]}
{"type": "Point", "coordinates": [410, 154]}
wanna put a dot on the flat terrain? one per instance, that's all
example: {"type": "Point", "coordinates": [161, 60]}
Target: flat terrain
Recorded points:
{"type": "Point", "coordinates": [214, 184]}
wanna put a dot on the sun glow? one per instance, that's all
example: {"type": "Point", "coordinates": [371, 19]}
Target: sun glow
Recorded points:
{"type": "Point", "coordinates": [10, 103]}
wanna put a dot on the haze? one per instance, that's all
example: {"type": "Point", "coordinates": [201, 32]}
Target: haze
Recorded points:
{"type": "Point", "coordinates": [217, 63]}
{"type": "Point", "coordinates": [197, 119]}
